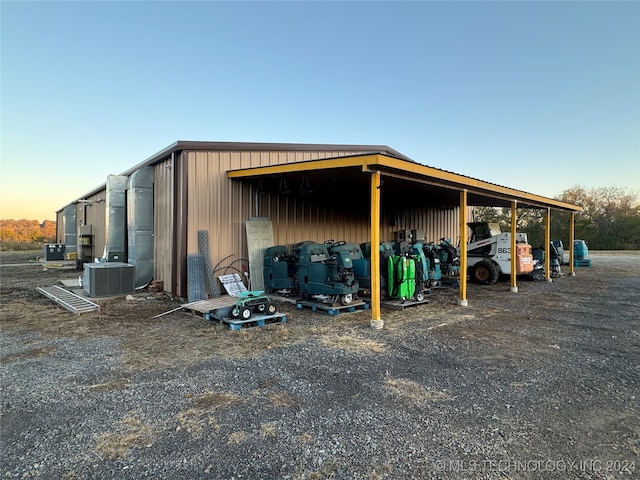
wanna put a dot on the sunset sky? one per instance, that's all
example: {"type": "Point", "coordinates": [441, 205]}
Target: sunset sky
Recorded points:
{"type": "Point", "coordinates": [539, 96]}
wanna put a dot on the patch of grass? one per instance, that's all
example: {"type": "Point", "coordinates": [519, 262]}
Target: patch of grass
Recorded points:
{"type": "Point", "coordinates": [132, 433]}
{"type": "Point", "coordinates": [327, 470]}
{"type": "Point", "coordinates": [413, 392]}
{"type": "Point", "coordinates": [354, 343]}
{"type": "Point", "coordinates": [236, 438]}
{"type": "Point", "coordinates": [306, 438]}
{"type": "Point", "coordinates": [27, 354]}
{"type": "Point", "coordinates": [190, 421]}
{"type": "Point", "coordinates": [194, 419]}
{"type": "Point", "coordinates": [214, 400]}
{"type": "Point", "coordinates": [16, 246]}
{"type": "Point", "coordinates": [283, 399]}
{"type": "Point", "coordinates": [118, 384]}
{"type": "Point", "coordinates": [268, 382]}
{"type": "Point", "coordinates": [381, 471]}
{"type": "Point", "coordinates": [268, 430]}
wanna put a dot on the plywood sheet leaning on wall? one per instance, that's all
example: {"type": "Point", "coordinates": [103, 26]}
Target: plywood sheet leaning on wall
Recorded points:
{"type": "Point", "coordinates": [259, 238]}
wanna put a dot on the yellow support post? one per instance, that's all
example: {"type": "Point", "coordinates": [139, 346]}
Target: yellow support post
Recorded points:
{"type": "Point", "coordinates": [463, 249]}
{"type": "Point", "coordinates": [572, 235]}
{"type": "Point", "coordinates": [514, 221]}
{"type": "Point", "coordinates": [376, 320]}
{"type": "Point", "coordinates": [547, 248]}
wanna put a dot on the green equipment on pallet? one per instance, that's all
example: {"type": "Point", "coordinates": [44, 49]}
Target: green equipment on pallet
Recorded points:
{"type": "Point", "coordinates": [401, 278]}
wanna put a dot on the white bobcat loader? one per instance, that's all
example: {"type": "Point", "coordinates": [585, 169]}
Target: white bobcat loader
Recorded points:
{"type": "Point", "coordinates": [489, 253]}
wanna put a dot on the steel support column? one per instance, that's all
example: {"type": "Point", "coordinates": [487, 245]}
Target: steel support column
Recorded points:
{"type": "Point", "coordinates": [514, 221]}
{"type": "Point", "coordinates": [376, 320]}
{"type": "Point", "coordinates": [547, 245]}
{"type": "Point", "coordinates": [463, 249]}
{"type": "Point", "coordinates": [572, 235]}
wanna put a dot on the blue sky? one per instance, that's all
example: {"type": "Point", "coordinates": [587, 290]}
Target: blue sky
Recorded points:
{"type": "Point", "coordinates": [539, 96]}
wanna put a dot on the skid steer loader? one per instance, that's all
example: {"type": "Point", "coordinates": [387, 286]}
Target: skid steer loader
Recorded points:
{"type": "Point", "coordinates": [489, 253]}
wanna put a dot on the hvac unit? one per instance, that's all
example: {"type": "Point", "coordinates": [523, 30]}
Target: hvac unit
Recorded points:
{"type": "Point", "coordinates": [102, 279]}
{"type": "Point", "coordinates": [53, 251]}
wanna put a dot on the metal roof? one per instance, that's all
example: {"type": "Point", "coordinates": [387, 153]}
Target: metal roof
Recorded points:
{"type": "Point", "coordinates": [404, 176]}
{"type": "Point", "coordinates": [190, 145]}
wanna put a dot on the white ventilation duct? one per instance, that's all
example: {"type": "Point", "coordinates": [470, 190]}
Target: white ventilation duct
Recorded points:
{"type": "Point", "coordinates": [115, 220]}
{"type": "Point", "coordinates": [140, 224]}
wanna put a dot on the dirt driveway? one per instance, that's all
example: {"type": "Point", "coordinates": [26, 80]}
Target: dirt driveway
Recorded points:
{"type": "Point", "coordinates": [544, 383]}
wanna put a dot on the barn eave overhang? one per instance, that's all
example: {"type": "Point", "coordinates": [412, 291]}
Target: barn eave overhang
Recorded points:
{"type": "Point", "coordinates": [410, 174]}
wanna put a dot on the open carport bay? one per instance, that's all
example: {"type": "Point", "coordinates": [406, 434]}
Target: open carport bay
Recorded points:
{"type": "Point", "coordinates": [544, 383]}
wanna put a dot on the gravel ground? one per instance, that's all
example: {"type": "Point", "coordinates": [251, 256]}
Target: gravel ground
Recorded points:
{"type": "Point", "coordinates": [544, 383]}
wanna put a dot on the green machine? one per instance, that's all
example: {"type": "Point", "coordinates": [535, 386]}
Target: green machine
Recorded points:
{"type": "Point", "coordinates": [402, 278]}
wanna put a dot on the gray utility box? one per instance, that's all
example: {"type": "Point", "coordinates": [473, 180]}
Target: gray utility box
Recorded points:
{"type": "Point", "coordinates": [111, 278]}
{"type": "Point", "coordinates": [53, 251]}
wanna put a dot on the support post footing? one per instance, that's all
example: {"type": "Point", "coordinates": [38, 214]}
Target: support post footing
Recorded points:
{"type": "Point", "coordinates": [377, 324]}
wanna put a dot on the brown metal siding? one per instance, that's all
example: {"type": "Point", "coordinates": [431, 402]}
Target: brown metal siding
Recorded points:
{"type": "Point", "coordinates": [163, 222]}
{"type": "Point", "coordinates": [435, 222]}
{"type": "Point", "coordinates": [214, 203]}
{"type": "Point", "coordinates": [221, 206]}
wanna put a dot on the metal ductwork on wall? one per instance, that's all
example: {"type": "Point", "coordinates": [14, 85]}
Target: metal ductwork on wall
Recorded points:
{"type": "Point", "coordinates": [116, 221]}
{"type": "Point", "coordinates": [140, 224]}
{"type": "Point", "coordinates": [69, 221]}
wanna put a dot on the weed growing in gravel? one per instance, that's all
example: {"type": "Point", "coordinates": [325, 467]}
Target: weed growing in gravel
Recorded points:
{"type": "Point", "coordinates": [31, 353]}
{"type": "Point", "coordinates": [306, 438]}
{"type": "Point", "coordinates": [283, 399]}
{"type": "Point", "coordinates": [214, 400]}
{"type": "Point", "coordinates": [236, 438]}
{"type": "Point", "coordinates": [132, 433]}
{"type": "Point", "coordinates": [268, 430]}
{"type": "Point", "coordinates": [193, 420]}
{"type": "Point", "coordinates": [413, 392]}
{"type": "Point", "coordinates": [353, 343]}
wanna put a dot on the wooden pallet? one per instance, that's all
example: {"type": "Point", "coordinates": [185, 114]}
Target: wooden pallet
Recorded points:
{"type": "Point", "coordinates": [331, 308]}
{"type": "Point", "coordinates": [398, 304]}
{"type": "Point", "coordinates": [253, 322]}
{"type": "Point", "coordinates": [282, 298]}
{"type": "Point", "coordinates": [204, 307]}
{"type": "Point", "coordinates": [582, 263]}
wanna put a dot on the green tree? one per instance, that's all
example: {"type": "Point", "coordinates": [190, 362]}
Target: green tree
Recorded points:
{"type": "Point", "coordinates": [610, 219]}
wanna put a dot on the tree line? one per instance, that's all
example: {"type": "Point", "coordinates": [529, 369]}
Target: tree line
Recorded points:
{"type": "Point", "coordinates": [609, 220]}
{"type": "Point", "coordinates": [27, 231]}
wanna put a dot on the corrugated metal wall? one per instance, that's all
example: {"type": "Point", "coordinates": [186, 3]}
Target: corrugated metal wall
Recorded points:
{"type": "Point", "coordinates": [222, 206]}
{"type": "Point", "coordinates": [60, 226]}
{"type": "Point", "coordinates": [214, 203]}
{"type": "Point", "coordinates": [436, 222]}
{"type": "Point", "coordinates": [163, 222]}
{"type": "Point", "coordinates": [92, 212]}
{"type": "Point", "coordinates": [192, 192]}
